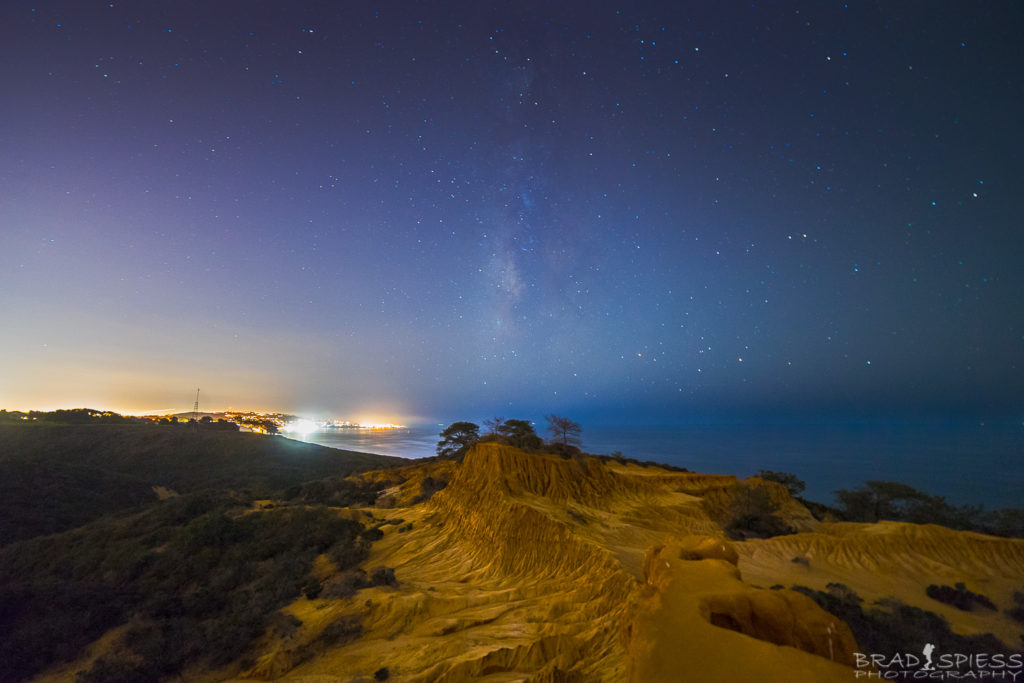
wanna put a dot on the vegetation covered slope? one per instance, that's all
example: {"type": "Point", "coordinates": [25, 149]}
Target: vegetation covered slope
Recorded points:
{"type": "Point", "coordinates": [38, 498]}
{"type": "Point", "coordinates": [192, 581]}
{"type": "Point", "coordinates": [58, 476]}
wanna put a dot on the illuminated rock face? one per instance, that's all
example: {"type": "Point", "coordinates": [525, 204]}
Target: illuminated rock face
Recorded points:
{"type": "Point", "coordinates": [895, 559]}
{"type": "Point", "coordinates": [696, 614]}
{"type": "Point", "coordinates": [536, 567]}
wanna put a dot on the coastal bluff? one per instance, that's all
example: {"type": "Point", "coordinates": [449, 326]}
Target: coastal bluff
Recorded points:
{"type": "Point", "coordinates": [516, 566]}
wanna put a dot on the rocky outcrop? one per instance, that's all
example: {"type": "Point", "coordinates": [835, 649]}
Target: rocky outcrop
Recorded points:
{"type": "Point", "coordinates": [535, 567]}
{"type": "Point", "coordinates": [695, 615]}
{"type": "Point", "coordinates": [897, 559]}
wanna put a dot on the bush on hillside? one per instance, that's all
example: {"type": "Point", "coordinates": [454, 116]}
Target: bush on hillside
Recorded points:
{"type": "Point", "coordinates": [199, 590]}
{"type": "Point", "coordinates": [958, 597]}
{"type": "Point", "coordinates": [878, 500]}
{"type": "Point", "coordinates": [752, 514]}
{"type": "Point", "coordinates": [383, 576]}
{"type": "Point", "coordinates": [428, 487]}
{"type": "Point", "coordinates": [793, 484]}
{"type": "Point", "coordinates": [336, 492]}
{"type": "Point", "coordinates": [892, 626]}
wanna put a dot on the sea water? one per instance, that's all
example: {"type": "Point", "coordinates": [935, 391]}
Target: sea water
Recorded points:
{"type": "Point", "coordinates": [967, 463]}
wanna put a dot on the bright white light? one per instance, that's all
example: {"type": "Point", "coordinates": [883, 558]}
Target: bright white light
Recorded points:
{"type": "Point", "coordinates": [301, 427]}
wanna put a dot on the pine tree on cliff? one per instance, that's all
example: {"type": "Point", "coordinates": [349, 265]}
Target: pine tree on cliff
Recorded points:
{"type": "Point", "coordinates": [458, 438]}
{"type": "Point", "coordinates": [520, 434]}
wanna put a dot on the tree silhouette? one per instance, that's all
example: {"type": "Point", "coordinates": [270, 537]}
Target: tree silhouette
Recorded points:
{"type": "Point", "coordinates": [564, 431]}
{"type": "Point", "coordinates": [521, 435]}
{"type": "Point", "coordinates": [457, 439]}
{"type": "Point", "coordinates": [794, 485]}
{"type": "Point", "coordinates": [495, 425]}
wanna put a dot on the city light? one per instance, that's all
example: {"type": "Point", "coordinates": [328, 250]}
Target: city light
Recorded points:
{"type": "Point", "coordinates": [388, 425]}
{"type": "Point", "coordinates": [301, 427]}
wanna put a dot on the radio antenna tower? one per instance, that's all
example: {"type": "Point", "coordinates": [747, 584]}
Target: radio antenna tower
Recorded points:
{"type": "Point", "coordinates": [195, 410]}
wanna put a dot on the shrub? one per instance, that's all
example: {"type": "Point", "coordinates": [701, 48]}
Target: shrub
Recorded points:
{"type": "Point", "coordinates": [336, 492]}
{"type": "Point", "coordinates": [340, 631]}
{"type": "Point", "coordinates": [819, 511]}
{"type": "Point", "coordinates": [383, 576]}
{"type": "Point", "coordinates": [794, 485]}
{"type": "Point", "coordinates": [892, 626]}
{"type": "Point", "coordinates": [622, 460]}
{"type": "Point", "coordinates": [346, 585]}
{"type": "Point", "coordinates": [312, 588]}
{"type": "Point", "coordinates": [878, 500]}
{"type": "Point", "coordinates": [114, 670]}
{"type": "Point", "coordinates": [347, 555]}
{"type": "Point", "coordinates": [520, 433]}
{"type": "Point", "coordinates": [566, 451]}
{"type": "Point", "coordinates": [386, 502]}
{"type": "Point", "coordinates": [751, 514]}
{"type": "Point", "coordinates": [428, 487]}
{"type": "Point", "coordinates": [761, 526]}
{"type": "Point", "coordinates": [284, 625]}
{"type": "Point", "coordinates": [1017, 611]}
{"type": "Point", "coordinates": [958, 597]}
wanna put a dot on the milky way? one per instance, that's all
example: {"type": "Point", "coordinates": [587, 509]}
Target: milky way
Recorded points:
{"type": "Point", "coordinates": [443, 211]}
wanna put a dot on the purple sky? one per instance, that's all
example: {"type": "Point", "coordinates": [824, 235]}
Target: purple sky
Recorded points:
{"type": "Point", "coordinates": [635, 211]}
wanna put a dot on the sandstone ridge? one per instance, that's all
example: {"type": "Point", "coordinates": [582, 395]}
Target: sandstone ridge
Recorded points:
{"type": "Point", "coordinates": [532, 567]}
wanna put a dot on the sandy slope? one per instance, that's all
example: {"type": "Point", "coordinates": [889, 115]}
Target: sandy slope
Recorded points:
{"type": "Point", "coordinates": [900, 560]}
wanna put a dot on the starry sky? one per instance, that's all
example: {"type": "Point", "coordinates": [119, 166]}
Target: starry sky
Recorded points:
{"type": "Point", "coordinates": [643, 211]}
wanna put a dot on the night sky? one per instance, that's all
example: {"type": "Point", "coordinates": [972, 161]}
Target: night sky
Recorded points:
{"type": "Point", "coordinates": [437, 211]}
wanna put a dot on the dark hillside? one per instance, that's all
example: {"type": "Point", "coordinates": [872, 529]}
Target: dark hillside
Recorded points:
{"type": "Point", "coordinates": [197, 579]}
{"type": "Point", "coordinates": [44, 498]}
{"type": "Point", "coordinates": [55, 477]}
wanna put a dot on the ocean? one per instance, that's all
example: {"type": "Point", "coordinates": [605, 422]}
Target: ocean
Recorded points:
{"type": "Point", "coordinates": [966, 463]}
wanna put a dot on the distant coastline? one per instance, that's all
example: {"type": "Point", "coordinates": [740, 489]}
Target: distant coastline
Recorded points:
{"type": "Point", "coordinates": [965, 462]}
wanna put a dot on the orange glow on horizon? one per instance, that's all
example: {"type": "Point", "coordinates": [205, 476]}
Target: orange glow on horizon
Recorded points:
{"type": "Point", "coordinates": [365, 420]}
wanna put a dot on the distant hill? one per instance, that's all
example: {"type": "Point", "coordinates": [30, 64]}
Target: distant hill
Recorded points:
{"type": "Point", "coordinates": [58, 476]}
